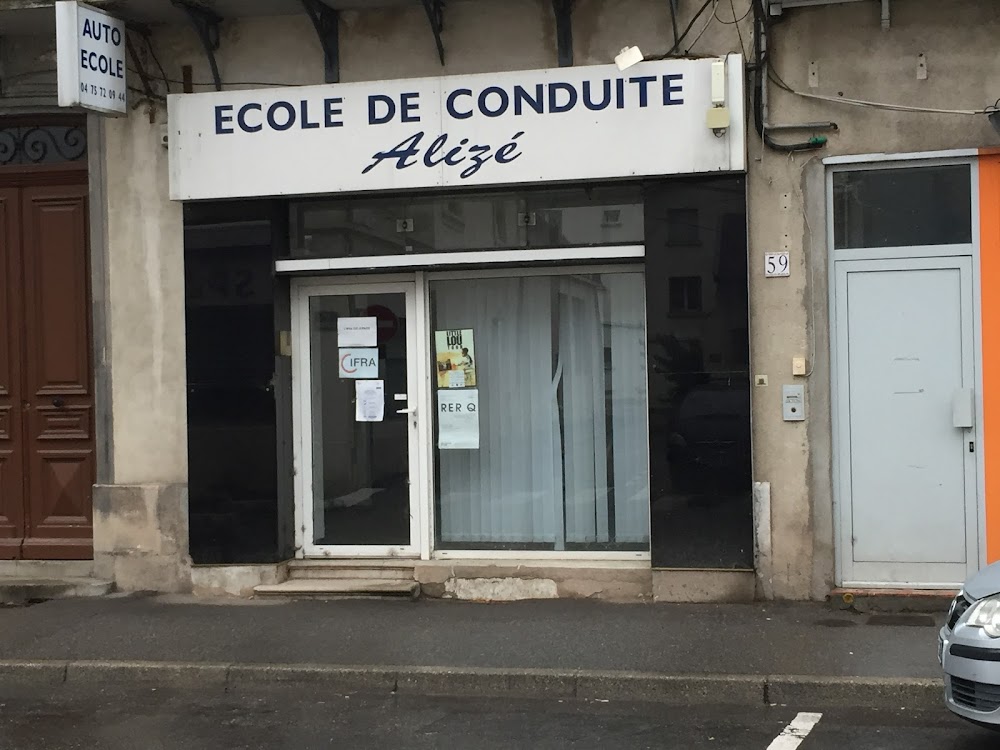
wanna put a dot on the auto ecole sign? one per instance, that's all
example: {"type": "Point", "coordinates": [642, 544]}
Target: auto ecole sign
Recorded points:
{"type": "Point", "coordinates": [580, 123]}
{"type": "Point", "coordinates": [90, 54]}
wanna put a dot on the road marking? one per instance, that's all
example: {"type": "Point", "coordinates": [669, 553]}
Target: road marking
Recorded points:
{"type": "Point", "coordinates": [792, 735]}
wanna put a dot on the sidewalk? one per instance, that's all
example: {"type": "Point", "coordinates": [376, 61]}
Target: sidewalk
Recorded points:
{"type": "Point", "coordinates": [758, 652]}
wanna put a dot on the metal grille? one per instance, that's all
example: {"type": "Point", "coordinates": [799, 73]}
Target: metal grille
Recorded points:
{"type": "Point", "coordinates": [958, 608]}
{"type": "Point", "coordinates": [978, 696]}
{"type": "Point", "coordinates": [42, 144]}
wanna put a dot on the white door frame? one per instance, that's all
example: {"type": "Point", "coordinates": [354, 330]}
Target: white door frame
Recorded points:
{"type": "Point", "coordinates": [422, 479]}
{"type": "Point", "coordinates": [302, 290]}
{"type": "Point", "coordinates": [842, 549]}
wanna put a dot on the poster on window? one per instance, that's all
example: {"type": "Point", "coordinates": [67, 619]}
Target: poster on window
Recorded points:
{"type": "Point", "coordinates": [369, 400]}
{"type": "Point", "coordinates": [456, 358]}
{"type": "Point", "coordinates": [357, 332]}
{"type": "Point", "coordinates": [458, 419]}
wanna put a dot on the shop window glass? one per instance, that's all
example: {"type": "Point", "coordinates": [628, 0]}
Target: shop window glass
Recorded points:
{"type": "Point", "coordinates": [231, 415]}
{"type": "Point", "coordinates": [358, 227]}
{"type": "Point", "coordinates": [682, 227]}
{"type": "Point", "coordinates": [685, 294]}
{"type": "Point", "coordinates": [902, 207]}
{"type": "Point", "coordinates": [699, 395]}
{"type": "Point", "coordinates": [557, 367]}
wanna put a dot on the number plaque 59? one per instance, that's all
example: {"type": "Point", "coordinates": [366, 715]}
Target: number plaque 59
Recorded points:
{"type": "Point", "coordinates": [776, 264]}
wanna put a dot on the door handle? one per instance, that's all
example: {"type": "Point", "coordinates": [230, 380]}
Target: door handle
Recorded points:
{"type": "Point", "coordinates": [58, 402]}
{"type": "Point", "coordinates": [407, 410]}
{"type": "Point", "coordinates": [963, 408]}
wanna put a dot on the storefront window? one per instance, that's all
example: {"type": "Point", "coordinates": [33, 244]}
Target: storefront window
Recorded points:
{"type": "Point", "coordinates": [699, 380]}
{"type": "Point", "coordinates": [486, 221]}
{"type": "Point", "coordinates": [233, 484]}
{"type": "Point", "coordinates": [552, 454]}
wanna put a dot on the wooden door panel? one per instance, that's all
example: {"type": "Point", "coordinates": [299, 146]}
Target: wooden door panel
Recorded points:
{"type": "Point", "coordinates": [56, 291]}
{"type": "Point", "coordinates": [63, 527]}
{"type": "Point", "coordinates": [57, 373]}
{"type": "Point", "coordinates": [11, 433]}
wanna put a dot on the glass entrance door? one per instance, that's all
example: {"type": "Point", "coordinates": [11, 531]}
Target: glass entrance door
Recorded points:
{"type": "Point", "coordinates": [356, 423]}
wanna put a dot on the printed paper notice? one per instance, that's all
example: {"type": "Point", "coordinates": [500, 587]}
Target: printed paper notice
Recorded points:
{"type": "Point", "coordinates": [369, 400]}
{"type": "Point", "coordinates": [458, 419]}
{"type": "Point", "coordinates": [456, 363]}
{"type": "Point", "coordinates": [357, 332]}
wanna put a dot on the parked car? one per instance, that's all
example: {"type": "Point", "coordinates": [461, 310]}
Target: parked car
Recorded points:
{"type": "Point", "coordinates": [969, 650]}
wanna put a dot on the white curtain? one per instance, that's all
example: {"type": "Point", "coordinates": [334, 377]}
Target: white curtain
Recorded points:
{"type": "Point", "coordinates": [630, 411]}
{"type": "Point", "coordinates": [541, 475]}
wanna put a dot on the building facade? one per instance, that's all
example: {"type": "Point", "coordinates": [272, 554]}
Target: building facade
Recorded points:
{"type": "Point", "coordinates": [258, 334]}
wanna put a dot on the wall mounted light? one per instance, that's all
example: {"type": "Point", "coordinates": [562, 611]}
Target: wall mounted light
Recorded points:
{"type": "Point", "coordinates": [628, 57]}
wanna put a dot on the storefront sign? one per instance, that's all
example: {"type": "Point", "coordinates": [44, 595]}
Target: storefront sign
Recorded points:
{"type": "Point", "coordinates": [358, 363]}
{"type": "Point", "coordinates": [90, 56]}
{"type": "Point", "coordinates": [369, 401]}
{"type": "Point", "coordinates": [458, 419]}
{"type": "Point", "coordinates": [561, 124]}
{"type": "Point", "coordinates": [456, 359]}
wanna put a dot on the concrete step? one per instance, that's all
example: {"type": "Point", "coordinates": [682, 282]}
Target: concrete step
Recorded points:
{"type": "Point", "coordinates": [350, 569]}
{"type": "Point", "coordinates": [330, 588]}
{"type": "Point", "coordinates": [27, 590]}
{"type": "Point", "coordinates": [931, 601]}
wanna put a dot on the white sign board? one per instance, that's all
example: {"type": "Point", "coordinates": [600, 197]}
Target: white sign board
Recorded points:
{"type": "Point", "coordinates": [458, 419]}
{"type": "Point", "coordinates": [357, 332]}
{"type": "Point", "coordinates": [90, 55]}
{"type": "Point", "coordinates": [776, 264]}
{"type": "Point", "coordinates": [358, 363]}
{"type": "Point", "coordinates": [580, 123]}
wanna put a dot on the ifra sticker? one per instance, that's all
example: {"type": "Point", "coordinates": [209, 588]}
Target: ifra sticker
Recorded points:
{"type": "Point", "coordinates": [358, 363]}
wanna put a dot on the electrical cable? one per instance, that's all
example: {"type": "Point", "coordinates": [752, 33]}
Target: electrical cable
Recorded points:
{"type": "Point", "coordinates": [760, 28]}
{"type": "Point", "coordinates": [704, 28]}
{"type": "Point", "coordinates": [875, 105]}
{"type": "Point", "coordinates": [147, 95]}
{"type": "Point", "coordinates": [780, 82]}
{"type": "Point", "coordinates": [673, 19]}
{"type": "Point", "coordinates": [29, 74]}
{"type": "Point", "coordinates": [736, 23]}
{"type": "Point", "coordinates": [152, 52]}
{"type": "Point", "coordinates": [227, 83]}
{"type": "Point", "coordinates": [735, 19]}
{"type": "Point", "coordinates": [683, 34]}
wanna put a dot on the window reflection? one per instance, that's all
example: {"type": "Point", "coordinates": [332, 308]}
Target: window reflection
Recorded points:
{"type": "Point", "coordinates": [358, 227]}
{"type": "Point", "coordinates": [699, 374]}
{"type": "Point", "coordinates": [232, 465]}
{"type": "Point", "coordinates": [902, 207]}
{"type": "Point", "coordinates": [561, 393]}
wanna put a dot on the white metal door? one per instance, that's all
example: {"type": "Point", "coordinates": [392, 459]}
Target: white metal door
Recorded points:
{"type": "Point", "coordinates": [357, 481]}
{"type": "Point", "coordinates": [906, 461]}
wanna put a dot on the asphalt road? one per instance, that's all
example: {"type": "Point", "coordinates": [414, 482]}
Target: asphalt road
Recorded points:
{"type": "Point", "coordinates": [303, 718]}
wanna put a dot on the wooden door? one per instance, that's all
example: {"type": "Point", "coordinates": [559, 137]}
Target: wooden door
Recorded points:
{"type": "Point", "coordinates": [47, 466]}
{"type": "Point", "coordinates": [56, 375]}
{"type": "Point", "coordinates": [11, 438]}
